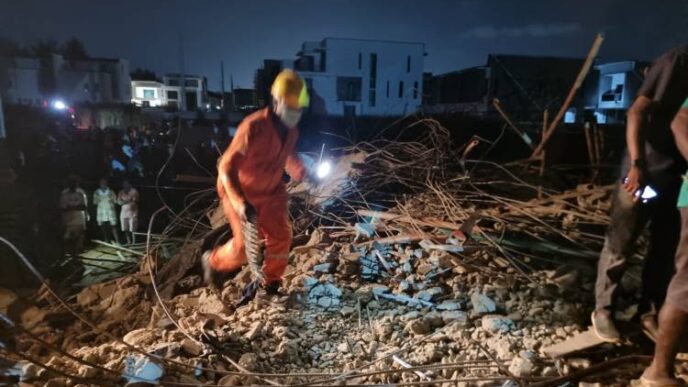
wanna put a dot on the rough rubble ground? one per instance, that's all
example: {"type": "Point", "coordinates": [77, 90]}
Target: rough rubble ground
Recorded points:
{"type": "Point", "coordinates": [476, 318]}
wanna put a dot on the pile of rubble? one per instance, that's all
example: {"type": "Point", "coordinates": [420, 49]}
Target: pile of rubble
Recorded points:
{"type": "Point", "coordinates": [465, 278]}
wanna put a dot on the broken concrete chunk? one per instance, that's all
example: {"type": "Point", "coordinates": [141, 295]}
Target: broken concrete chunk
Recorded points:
{"type": "Point", "coordinates": [29, 371]}
{"type": "Point", "coordinates": [404, 286]}
{"type": "Point", "coordinates": [455, 315]}
{"type": "Point", "coordinates": [419, 326]}
{"type": "Point", "coordinates": [324, 295]}
{"type": "Point", "coordinates": [521, 367]}
{"type": "Point", "coordinates": [327, 267]}
{"type": "Point", "coordinates": [449, 305]}
{"type": "Point", "coordinates": [142, 368]}
{"type": "Point", "coordinates": [425, 268]}
{"type": "Point", "coordinates": [32, 317]}
{"type": "Point", "coordinates": [191, 347]}
{"type": "Point", "coordinates": [87, 297]}
{"type": "Point", "coordinates": [369, 266]}
{"type": "Point", "coordinates": [140, 337]}
{"type": "Point", "coordinates": [482, 304]}
{"type": "Point", "coordinates": [255, 330]}
{"type": "Point", "coordinates": [347, 311]}
{"type": "Point", "coordinates": [249, 361]}
{"type": "Point", "coordinates": [430, 294]}
{"type": "Point", "coordinates": [497, 323]}
{"type": "Point", "coordinates": [365, 229]}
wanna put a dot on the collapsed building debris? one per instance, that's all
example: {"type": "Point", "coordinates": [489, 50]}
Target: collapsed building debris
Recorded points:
{"type": "Point", "coordinates": [415, 264]}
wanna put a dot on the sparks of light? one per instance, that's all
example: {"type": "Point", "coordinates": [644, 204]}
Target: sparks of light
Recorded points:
{"type": "Point", "coordinates": [324, 169]}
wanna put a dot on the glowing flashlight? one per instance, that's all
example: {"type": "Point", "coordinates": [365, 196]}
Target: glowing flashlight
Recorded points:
{"type": "Point", "coordinates": [58, 104]}
{"type": "Point", "coordinates": [324, 169]}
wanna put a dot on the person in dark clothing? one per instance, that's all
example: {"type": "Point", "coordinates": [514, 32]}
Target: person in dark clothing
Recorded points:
{"type": "Point", "coordinates": [652, 160]}
{"type": "Point", "coordinates": [661, 97]}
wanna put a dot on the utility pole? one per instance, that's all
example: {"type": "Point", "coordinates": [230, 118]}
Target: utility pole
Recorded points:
{"type": "Point", "coordinates": [222, 85]}
{"type": "Point", "coordinates": [231, 85]}
{"type": "Point", "coordinates": [182, 81]}
{"type": "Point", "coordinates": [2, 122]}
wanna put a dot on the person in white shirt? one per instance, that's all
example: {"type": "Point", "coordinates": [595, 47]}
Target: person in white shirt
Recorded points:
{"type": "Point", "coordinates": [128, 198]}
{"type": "Point", "coordinates": [104, 199]}
{"type": "Point", "coordinates": [73, 204]}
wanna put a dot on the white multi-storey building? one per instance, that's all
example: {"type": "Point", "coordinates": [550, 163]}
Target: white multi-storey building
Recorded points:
{"type": "Point", "coordinates": [362, 77]}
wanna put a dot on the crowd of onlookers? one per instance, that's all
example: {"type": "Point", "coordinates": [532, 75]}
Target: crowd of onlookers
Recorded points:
{"type": "Point", "coordinates": [100, 174]}
{"type": "Point", "coordinates": [74, 205]}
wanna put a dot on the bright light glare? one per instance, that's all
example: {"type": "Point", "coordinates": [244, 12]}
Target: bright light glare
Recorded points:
{"type": "Point", "coordinates": [323, 169]}
{"type": "Point", "coordinates": [648, 193]}
{"type": "Point", "coordinates": [59, 105]}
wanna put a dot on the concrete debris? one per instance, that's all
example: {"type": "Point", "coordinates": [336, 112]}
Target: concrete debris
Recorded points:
{"type": "Point", "coordinates": [142, 369]}
{"type": "Point", "coordinates": [449, 305]}
{"type": "Point", "coordinates": [323, 294]}
{"type": "Point", "coordinates": [29, 371]}
{"type": "Point", "coordinates": [497, 323]}
{"type": "Point", "coordinates": [482, 304]}
{"type": "Point", "coordinates": [192, 348]}
{"type": "Point", "coordinates": [419, 326]}
{"type": "Point", "coordinates": [365, 229]}
{"type": "Point", "coordinates": [413, 278]}
{"type": "Point", "coordinates": [324, 268]}
{"type": "Point", "coordinates": [255, 330]}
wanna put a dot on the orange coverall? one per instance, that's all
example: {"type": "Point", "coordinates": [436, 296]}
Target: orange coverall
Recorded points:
{"type": "Point", "coordinates": [259, 157]}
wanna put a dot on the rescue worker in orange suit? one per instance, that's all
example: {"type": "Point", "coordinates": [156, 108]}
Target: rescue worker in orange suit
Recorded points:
{"type": "Point", "coordinates": [251, 178]}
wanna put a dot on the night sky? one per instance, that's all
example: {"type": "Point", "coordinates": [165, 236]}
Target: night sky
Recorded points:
{"type": "Point", "coordinates": [457, 33]}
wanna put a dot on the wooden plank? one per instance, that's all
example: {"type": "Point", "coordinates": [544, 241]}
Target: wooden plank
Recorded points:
{"type": "Point", "coordinates": [577, 343]}
{"type": "Point", "coordinates": [592, 54]}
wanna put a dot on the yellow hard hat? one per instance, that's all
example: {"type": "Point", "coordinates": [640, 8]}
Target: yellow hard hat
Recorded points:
{"type": "Point", "coordinates": [289, 84]}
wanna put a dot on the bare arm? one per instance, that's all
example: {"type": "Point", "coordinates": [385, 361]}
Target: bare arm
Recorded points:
{"type": "Point", "coordinates": [635, 140]}
{"type": "Point", "coordinates": [679, 128]}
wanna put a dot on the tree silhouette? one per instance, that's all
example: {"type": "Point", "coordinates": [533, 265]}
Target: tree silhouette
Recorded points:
{"type": "Point", "coordinates": [73, 49]}
{"type": "Point", "coordinates": [143, 75]}
{"type": "Point", "coordinates": [9, 47]}
{"type": "Point", "coordinates": [45, 48]}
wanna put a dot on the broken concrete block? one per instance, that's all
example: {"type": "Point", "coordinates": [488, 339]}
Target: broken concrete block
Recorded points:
{"type": "Point", "coordinates": [191, 347]}
{"type": "Point", "coordinates": [425, 268]}
{"type": "Point", "coordinates": [404, 286]}
{"type": "Point", "coordinates": [497, 323]}
{"type": "Point", "coordinates": [87, 297]}
{"type": "Point", "coordinates": [347, 311]}
{"type": "Point", "coordinates": [365, 229]}
{"type": "Point", "coordinates": [449, 305]}
{"type": "Point", "coordinates": [255, 330]}
{"type": "Point", "coordinates": [7, 297]}
{"type": "Point", "coordinates": [429, 294]}
{"type": "Point", "coordinates": [324, 295]}
{"type": "Point", "coordinates": [521, 367]}
{"type": "Point", "coordinates": [32, 317]}
{"type": "Point", "coordinates": [327, 267]}
{"type": "Point", "coordinates": [449, 316]}
{"type": "Point", "coordinates": [482, 304]}
{"type": "Point", "coordinates": [249, 361]}
{"type": "Point", "coordinates": [29, 371]}
{"type": "Point", "coordinates": [369, 266]}
{"type": "Point", "coordinates": [419, 327]}
{"type": "Point", "coordinates": [140, 337]}
{"type": "Point", "coordinates": [142, 368]}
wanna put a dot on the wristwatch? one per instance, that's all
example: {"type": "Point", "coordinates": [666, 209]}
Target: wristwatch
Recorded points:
{"type": "Point", "coordinates": [640, 163]}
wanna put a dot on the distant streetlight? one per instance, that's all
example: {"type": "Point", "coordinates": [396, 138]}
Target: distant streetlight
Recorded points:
{"type": "Point", "coordinates": [59, 104]}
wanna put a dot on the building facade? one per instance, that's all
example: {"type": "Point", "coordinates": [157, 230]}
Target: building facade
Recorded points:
{"type": "Point", "coordinates": [20, 81]}
{"type": "Point", "coordinates": [354, 77]}
{"type": "Point", "coordinates": [188, 92]}
{"type": "Point", "coordinates": [613, 88]}
{"type": "Point", "coordinates": [34, 81]}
